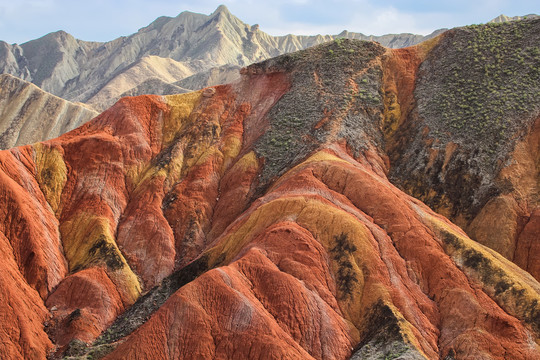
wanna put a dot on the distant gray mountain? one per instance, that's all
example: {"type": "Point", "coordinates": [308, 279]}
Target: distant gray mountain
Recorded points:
{"type": "Point", "coordinates": [166, 70]}
{"type": "Point", "coordinates": [503, 18]}
{"type": "Point", "coordinates": [220, 75]}
{"type": "Point", "coordinates": [155, 86]}
{"type": "Point", "coordinates": [98, 73]}
{"type": "Point", "coordinates": [28, 114]}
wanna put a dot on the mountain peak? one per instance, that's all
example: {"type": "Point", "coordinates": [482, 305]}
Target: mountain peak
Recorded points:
{"type": "Point", "coordinates": [504, 18]}
{"type": "Point", "coordinates": [59, 34]}
{"type": "Point", "coordinates": [221, 9]}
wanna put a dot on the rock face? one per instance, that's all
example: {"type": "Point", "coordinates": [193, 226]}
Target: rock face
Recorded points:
{"type": "Point", "coordinates": [171, 48]}
{"type": "Point", "coordinates": [29, 115]}
{"type": "Point", "coordinates": [470, 150]}
{"type": "Point", "coordinates": [260, 219]}
{"type": "Point", "coordinates": [155, 86]}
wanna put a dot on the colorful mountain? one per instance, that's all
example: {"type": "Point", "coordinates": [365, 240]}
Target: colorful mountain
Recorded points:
{"type": "Point", "coordinates": [273, 217]}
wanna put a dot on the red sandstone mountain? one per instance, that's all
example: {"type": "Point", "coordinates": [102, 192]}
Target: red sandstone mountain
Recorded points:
{"type": "Point", "coordinates": [269, 218]}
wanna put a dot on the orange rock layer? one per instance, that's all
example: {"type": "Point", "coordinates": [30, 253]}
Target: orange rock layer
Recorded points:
{"type": "Point", "coordinates": [160, 209]}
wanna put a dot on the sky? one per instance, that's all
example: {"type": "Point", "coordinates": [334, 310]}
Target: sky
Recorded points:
{"type": "Point", "coordinates": [104, 20]}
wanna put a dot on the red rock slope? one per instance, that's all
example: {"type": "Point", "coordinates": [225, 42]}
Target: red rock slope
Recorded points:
{"type": "Point", "coordinates": [467, 145]}
{"type": "Point", "coordinates": [252, 220]}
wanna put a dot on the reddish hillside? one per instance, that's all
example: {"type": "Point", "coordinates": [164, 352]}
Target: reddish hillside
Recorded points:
{"type": "Point", "coordinates": [257, 220]}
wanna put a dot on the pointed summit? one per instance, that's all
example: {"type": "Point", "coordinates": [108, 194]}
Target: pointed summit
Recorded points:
{"type": "Point", "coordinates": [221, 9]}
{"type": "Point", "coordinates": [501, 18]}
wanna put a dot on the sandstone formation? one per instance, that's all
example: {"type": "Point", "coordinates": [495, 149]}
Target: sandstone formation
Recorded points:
{"type": "Point", "coordinates": [28, 114]}
{"type": "Point", "coordinates": [472, 147]}
{"type": "Point", "coordinates": [269, 218]}
{"type": "Point", "coordinates": [225, 74]}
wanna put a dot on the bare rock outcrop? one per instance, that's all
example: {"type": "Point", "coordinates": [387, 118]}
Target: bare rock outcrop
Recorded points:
{"type": "Point", "coordinates": [29, 115]}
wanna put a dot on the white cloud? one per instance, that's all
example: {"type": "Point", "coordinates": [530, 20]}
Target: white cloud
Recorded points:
{"type": "Point", "coordinates": [22, 20]}
{"type": "Point", "coordinates": [360, 17]}
{"type": "Point", "coordinates": [390, 20]}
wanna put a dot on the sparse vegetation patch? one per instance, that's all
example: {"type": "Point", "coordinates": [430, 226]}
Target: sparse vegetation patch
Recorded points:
{"type": "Point", "coordinates": [335, 91]}
{"type": "Point", "coordinates": [341, 253]}
{"type": "Point", "coordinates": [490, 81]}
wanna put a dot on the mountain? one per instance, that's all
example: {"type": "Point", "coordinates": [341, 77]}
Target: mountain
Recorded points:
{"type": "Point", "coordinates": [169, 49]}
{"type": "Point", "coordinates": [29, 115]}
{"type": "Point", "coordinates": [273, 217]}
{"type": "Point", "coordinates": [503, 18]}
{"type": "Point", "coordinates": [215, 76]}
{"type": "Point", "coordinates": [472, 153]}
{"type": "Point", "coordinates": [155, 86]}
{"type": "Point", "coordinates": [148, 68]}
{"type": "Point", "coordinates": [97, 73]}
{"type": "Point", "coordinates": [221, 75]}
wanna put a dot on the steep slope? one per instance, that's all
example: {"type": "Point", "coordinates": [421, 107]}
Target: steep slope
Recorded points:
{"type": "Point", "coordinates": [470, 149]}
{"type": "Point", "coordinates": [503, 18]}
{"type": "Point", "coordinates": [149, 67]}
{"type": "Point", "coordinates": [256, 220]}
{"type": "Point", "coordinates": [225, 74]}
{"type": "Point", "coordinates": [155, 86]}
{"type": "Point", "coordinates": [78, 71]}
{"type": "Point", "coordinates": [12, 60]}
{"type": "Point", "coordinates": [28, 114]}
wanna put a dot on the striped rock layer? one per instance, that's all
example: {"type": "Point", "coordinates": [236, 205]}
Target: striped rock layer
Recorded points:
{"type": "Point", "coordinates": [267, 219]}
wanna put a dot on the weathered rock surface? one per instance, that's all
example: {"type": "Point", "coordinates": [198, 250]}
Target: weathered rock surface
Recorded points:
{"type": "Point", "coordinates": [470, 149]}
{"type": "Point", "coordinates": [158, 86]}
{"type": "Point", "coordinates": [259, 220]}
{"type": "Point", "coordinates": [29, 115]}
